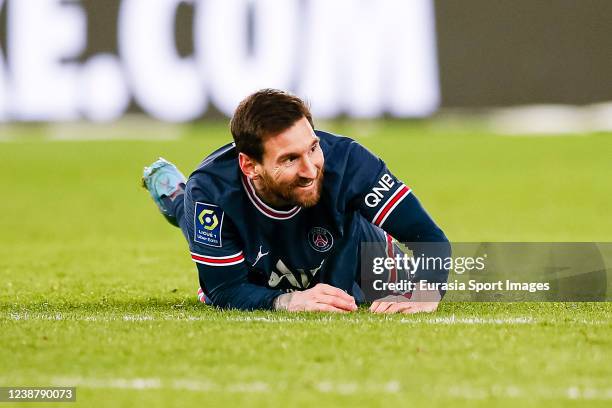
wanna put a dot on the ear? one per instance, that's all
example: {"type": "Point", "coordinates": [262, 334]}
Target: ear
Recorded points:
{"type": "Point", "coordinates": [248, 166]}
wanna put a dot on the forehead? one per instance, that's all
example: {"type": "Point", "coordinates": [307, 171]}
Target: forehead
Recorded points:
{"type": "Point", "coordinates": [297, 139]}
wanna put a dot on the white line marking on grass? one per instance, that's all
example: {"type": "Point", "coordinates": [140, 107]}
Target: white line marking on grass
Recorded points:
{"type": "Point", "coordinates": [347, 388]}
{"type": "Point", "coordinates": [472, 320]}
{"type": "Point", "coordinates": [144, 317]}
{"type": "Point", "coordinates": [357, 319]}
{"type": "Point", "coordinates": [140, 384]}
{"type": "Point", "coordinates": [589, 393]}
{"type": "Point", "coordinates": [256, 386]}
{"type": "Point", "coordinates": [137, 318]}
{"type": "Point", "coordinates": [36, 316]}
{"type": "Point", "coordinates": [461, 391]}
{"type": "Point", "coordinates": [466, 391]}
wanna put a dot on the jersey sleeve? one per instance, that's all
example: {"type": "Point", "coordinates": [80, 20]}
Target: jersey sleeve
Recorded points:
{"type": "Point", "coordinates": [388, 203]}
{"type": "Point", "coordinates": [216, 248]}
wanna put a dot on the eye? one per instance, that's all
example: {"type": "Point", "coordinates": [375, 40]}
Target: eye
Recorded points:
{"type": "Point", "coordinates": [314, 147]}
{"type": "Point", "coordinates": [289, 161]}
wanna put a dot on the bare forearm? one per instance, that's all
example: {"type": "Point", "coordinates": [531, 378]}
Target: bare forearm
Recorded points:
{"type": "Point", "coordinates": [282, 301]}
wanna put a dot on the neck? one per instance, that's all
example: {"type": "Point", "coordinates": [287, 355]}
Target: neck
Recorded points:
{"type": "Point", "coordinates": [264, 193]}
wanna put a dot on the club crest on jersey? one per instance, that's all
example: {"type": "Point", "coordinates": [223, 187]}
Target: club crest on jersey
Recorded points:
{"type": "Point", "coordinates": [207, 224]}
{"type": "Point", "coordinates": [320, 239]}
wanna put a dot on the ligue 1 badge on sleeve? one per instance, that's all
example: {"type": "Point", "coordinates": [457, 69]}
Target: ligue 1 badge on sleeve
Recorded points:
{"type": "Point", "coordinates": [320, 239]}
{"type": "Point", "coordinates": [208, 222]}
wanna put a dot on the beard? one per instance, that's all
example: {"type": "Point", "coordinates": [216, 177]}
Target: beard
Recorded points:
{"type": "Point", "coordinates": [290, 194]}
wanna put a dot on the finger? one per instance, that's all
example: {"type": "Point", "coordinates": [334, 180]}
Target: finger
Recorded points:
{"type": "Point", "coordinates": [331, 290]}
{"type": "Point", "coordinates": [396, 307]}
{"type": "Point", "coordinates": [334, 291]}
{"type": "Point", "coordinates": [399, 307]}
{"type": "Point", "coordinates": [336, 302]}
{"type": "Point", "coordinates": [418, 307]}
{"type": "Point", "coordinates": [389, 298]}
{"type": "Point", "coordinates": [324, 307]}
{"type": "Point", "coordinates": [382, 307]}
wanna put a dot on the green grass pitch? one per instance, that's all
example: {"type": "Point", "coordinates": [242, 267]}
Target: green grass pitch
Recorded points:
{"type": "Point", "coordinates": [98, 291]}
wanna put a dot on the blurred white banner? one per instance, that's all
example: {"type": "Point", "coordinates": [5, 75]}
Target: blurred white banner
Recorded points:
{"type": "Point", "coordinates": [362, 58]}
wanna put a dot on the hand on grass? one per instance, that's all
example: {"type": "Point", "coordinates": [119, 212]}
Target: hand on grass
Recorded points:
{"type": "Point", "coordinates": [320, 298]}
{"type": "Point", "coordinates": [420, 301]}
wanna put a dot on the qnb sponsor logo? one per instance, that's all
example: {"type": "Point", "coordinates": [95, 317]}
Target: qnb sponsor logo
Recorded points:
{"type": "Point", "coordinates": [378, 191]}
{"type": "Point", "coordinates": [318, 49]}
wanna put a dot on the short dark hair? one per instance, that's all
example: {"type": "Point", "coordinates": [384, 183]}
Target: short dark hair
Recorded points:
{"type": "Point", "coordinates": [264, 114]}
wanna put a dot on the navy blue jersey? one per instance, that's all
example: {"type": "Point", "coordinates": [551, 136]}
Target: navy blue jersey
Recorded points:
{"type": "Point", "coordinates": [248, 253]}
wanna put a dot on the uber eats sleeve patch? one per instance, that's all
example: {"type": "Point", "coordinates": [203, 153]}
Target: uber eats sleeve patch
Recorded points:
{"type": "Point", "coordinates": [207, 224]}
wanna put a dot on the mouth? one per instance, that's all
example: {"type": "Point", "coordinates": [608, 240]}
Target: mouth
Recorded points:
{"type": "Point", "coordinates": [305, 185]}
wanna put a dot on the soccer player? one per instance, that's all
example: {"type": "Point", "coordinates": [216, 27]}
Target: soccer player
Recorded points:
{"type": "Point", "coordinates": [275, 220]}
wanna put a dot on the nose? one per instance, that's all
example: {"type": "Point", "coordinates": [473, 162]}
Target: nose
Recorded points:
{"type": "Point", "coordinates": [308, 169]}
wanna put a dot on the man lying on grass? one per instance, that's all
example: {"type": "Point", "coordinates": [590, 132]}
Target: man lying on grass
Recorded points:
{"type": "Point", "coordinates": [275, 220]}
